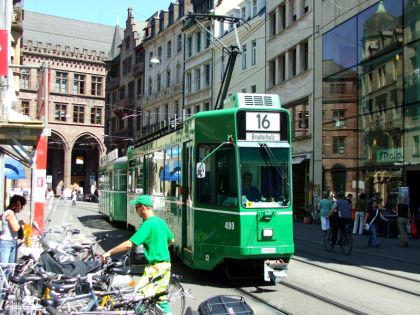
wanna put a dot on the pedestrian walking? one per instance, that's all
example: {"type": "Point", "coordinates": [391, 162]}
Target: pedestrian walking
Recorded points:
{"type": "Point", "coordinates": [402, 210]}
{"type": "Point", "coordinates": [10, 229]}
{"type": "Point", "coordinates": [372, 218]}
{"type": "Point", "coordinates": [325, 206]}
{"type": "Point", "coordinates": [361, 206]}
{"type": "Point", "coordinates": [73, 198]}
{"type": "Point", "coordinates": [156, 236]}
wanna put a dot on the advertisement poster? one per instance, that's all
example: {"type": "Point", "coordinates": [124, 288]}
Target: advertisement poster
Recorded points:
{"type": "Point", "coordinates": [403, 195]}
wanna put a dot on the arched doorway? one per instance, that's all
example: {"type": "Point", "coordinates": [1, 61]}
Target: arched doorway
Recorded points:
{"type": "Point", "coordinates": [85, 162]}
{"type": "Point", "coordinates": [57, 146]}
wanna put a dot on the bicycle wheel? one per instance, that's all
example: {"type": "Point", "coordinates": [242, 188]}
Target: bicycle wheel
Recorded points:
{"type": "Point", "coordinates": [346, 244]}
{"type": "Point", "coordinates": [176, 297]}
{"type": "Point", "coordinates": [328, 240]}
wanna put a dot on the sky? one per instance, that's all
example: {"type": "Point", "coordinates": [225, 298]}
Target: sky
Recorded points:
{"type": "Point", "coordinates": [97, 11]}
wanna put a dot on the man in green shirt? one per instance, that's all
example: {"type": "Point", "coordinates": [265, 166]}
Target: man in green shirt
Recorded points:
{"type": "Point", "coordinates": [156, 236]}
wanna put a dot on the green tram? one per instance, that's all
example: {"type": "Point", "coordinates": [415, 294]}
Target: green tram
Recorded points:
{"type": "Point", "coordinates": [199, 179]}
{"type": "Point", "coordinates": [112, 182]}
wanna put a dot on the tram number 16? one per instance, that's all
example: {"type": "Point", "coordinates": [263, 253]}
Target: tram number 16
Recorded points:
{"type": "Point", "coordinates": [263, 121]}
{"type": "Point", "coordinates": [229, 225]}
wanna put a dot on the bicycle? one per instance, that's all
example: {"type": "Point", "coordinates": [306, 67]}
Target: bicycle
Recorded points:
{"type": "Point", "coordinates": [344, 240]}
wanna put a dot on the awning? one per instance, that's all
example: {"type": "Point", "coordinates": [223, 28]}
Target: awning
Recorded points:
{"type": "Point", "coordinates": [298, 159]}
{"type": "Point", "coordinates": [13, 169]}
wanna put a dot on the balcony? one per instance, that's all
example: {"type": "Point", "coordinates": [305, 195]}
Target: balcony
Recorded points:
{"type": "Point", "coordinates": [126, 103]}
{"type": "Point", "coordinates": [114, 82]}
{"type": "Point", "coordinates": [138, 69]}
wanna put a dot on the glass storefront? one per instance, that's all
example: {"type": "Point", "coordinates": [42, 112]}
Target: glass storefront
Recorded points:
{"type": "Point", "coordinates": [371, 101]}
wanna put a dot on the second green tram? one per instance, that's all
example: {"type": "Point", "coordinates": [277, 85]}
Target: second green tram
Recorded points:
{"type": "Point", "coordinates": [112, 184]}
{"type": "Point", "coordinates": [223, 183]}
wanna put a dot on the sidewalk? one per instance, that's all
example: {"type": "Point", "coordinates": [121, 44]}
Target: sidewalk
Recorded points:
{"type": "Point", "coordinates": [390, 247]}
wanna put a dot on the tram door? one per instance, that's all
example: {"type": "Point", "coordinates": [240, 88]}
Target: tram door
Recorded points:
{"type": "Point", "coordinates": [187, 210]}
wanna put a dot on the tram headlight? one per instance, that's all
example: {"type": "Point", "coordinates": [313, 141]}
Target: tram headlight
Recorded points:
{"type": "Point", "coordinates": [267, 232]}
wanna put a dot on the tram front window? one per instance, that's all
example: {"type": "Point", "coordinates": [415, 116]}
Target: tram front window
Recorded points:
{"type": "Point", "coordinates": [264, 177]}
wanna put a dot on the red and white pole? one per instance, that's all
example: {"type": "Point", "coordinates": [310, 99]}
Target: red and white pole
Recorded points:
{"type": "Point", "coordinates": [39, 183]}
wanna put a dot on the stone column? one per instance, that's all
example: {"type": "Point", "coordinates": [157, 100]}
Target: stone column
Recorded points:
{"type": "Point", "coordinates": [67, 167]}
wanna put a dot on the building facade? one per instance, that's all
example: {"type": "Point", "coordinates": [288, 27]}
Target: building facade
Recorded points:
{"type": "Point", "coordinates": [249, 72]}
{"type": "Point", "coordinates": [124, 85]}
{"type": "Point", "coordinates": [289, 74]}
{"type": "Point", "coordinates": [76, 53]}
{"type": "Point", "coordinates": [367, 97]}
{"type": "Point", "coordinates": [164, 65]}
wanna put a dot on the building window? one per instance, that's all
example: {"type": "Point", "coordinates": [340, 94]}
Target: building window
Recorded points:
{"type": "Point", "coordinates": [305, 6]}
{"type": "Point", "coordinates": [122, 92]}
{"type": "Point", "coordinates": [189, 82]}
{"type": "Point", "coordinates": [139, 86]}
{"type": "Point", "coordinates": [198, 78]}
{"type": "Point", "coordinates": [253, 88]}
{"type": "Point", "coordinates": [131, 89]}
{"type": "Point", "coordinates": [272, 73]}
{"type": "Point", "coordinates": [254, 53]}
{"type": "Point", "coordinates": [150, 90]}
{"type": "Point", "coordinates": [303, 120]}
{"type": "Point", "coordinates": [78, 114]}
{"type": "Point", "coordinates": [416, 148]}
{"type": "Point", "coordinates": [273, 23]}
{"type": "Point", "coordinates": [243, 57]}
{"type": "Point", "coordinates": [61, 112]}
{"type": "Point", "coordinates": [254, 8]}
{"type": "Point", "coordinates": [338, 118]}
{"type": "Point", "coordinates": [178, 74]}
{"type": "Point", "coordinates": [96, 116]}
{"type": "Point", "coordinates": [24, 78]}
{"type": "Point", "coordinates": [292, 59]}
{"type": "Point", "coordinates": [179, 43]}
{"type": "Point", "coordinates": [127, 43]}
{"type": "Point", "coordinates": [339, 145]}
{"type": "Point", "coordinates": [158, 85]}
{"type": "Point", "coordinates": [305, 56]}
{"type": "Point", "coordinates": [207, 74]}
{"type": "Point", "coordinates": [25, 108]}
{"type": "Point", "coordinates": [169, 49]}
{"type": "Point", "coordinates": [79, 84]}
{"type": "Point", "coordinates": [159, 52]}
{"type": "Point", "coordinates": [198, 42]}
{"type": "Point", "coordinates": [150, 59]}
{"type": "Point", "coordinates": [168, 78]}
{"type": "Point", "coordinates": [189, 46]}
{"type": "Point", "coordinates": [96, 86]}
{"type": "Point", "coordinates": [61, 82]}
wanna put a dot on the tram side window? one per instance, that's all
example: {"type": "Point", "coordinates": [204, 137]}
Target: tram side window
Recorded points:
{"type": "Point", "coordinates": [120, 180]}
{"type": "Point", "coordinates": [149, 165]}
{"type": "Point", "coordinates": [219, 184]}
{"type": "Point", "coordinates": [139, 179]}
{"type": "Point", "coordinates": [172, 172]}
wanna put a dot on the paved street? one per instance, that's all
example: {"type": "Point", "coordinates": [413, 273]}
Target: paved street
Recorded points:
{"type": "Point", "coordinates": [312, 268]}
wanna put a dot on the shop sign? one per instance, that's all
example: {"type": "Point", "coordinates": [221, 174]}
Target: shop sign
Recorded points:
{"type": "Point", "coordinates": [389, 155]}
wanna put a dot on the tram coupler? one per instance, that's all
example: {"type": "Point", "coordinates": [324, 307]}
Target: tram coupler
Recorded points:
{"type": "Point", "coordinates": [275, 270]}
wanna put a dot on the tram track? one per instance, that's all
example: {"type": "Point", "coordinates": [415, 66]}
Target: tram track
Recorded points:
{"type": "Point", "coordinates": [381, 272]}
{"type": "Point", "coordinates": [304, 291]}
{"type": "Point", "coordinates": [359, 277]}
{"type": "Point", "coordinates": [355, 250]}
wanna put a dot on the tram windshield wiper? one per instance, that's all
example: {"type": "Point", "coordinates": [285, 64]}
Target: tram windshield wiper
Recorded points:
{"type": "Point", "coordinates": [270, 159]}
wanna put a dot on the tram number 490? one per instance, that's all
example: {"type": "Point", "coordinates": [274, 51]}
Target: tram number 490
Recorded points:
{"type": "Point", "coordinates": [229, 225]}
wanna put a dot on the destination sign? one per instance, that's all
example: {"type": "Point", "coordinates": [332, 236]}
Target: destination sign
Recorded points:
{"type": "Point", "coordinates": [262, 121]}
{"type": "Point", "coordinates": [253, 136]}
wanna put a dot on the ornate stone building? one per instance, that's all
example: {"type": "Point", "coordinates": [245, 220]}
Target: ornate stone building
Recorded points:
{"type": "Point", "coordinates": [76, 52]}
